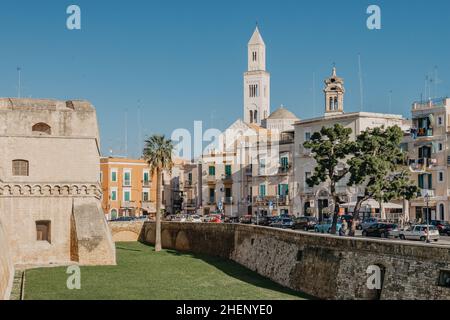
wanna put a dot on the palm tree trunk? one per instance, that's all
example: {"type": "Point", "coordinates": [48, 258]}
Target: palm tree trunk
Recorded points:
{"type": "Point", "coordinates": [355, 218]}
{"type": "Point", "coordinates": [158, 246]}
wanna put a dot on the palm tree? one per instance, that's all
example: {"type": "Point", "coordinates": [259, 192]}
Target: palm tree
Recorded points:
{"type": "Point", "coordinates": [158, 153]}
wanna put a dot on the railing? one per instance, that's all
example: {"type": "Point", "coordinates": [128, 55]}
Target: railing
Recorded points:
{"type": "Point", "coordinates": [274, 200]}
{"type": "Point", "coordinates": [284, 169]}
{"type": "Point", "coordinates": [128, 204]}
{"type": "Point", "coordinates": [430, 192]}
{"type": "Point", "coordinates": [227, 178]}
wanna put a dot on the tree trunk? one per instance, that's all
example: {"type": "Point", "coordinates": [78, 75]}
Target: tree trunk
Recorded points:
{"type": "Point", "coordinates": [356, 211]}
{"type": "Point", "coordinates": [335, 215]}
{"type": "Point", "coordinates": [158, 246]}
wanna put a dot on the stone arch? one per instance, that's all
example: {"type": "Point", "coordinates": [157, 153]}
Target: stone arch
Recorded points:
{"type": "Point", "coordinates": [182, 242]}
{"type": "Point", "coordinates": [56, 190]}
{"type": "Point", "coordinates": [7, 190]}
{"type": "Point", "coordinates": [83, 190]}
{"type": "Point", "coordinates": [65, 190]}
{"type": "Point", "coordinates": [41, 128]}
{"type": "Point", "coordinates": [74, 190]}
{"type": "Point", "coordinates": [47, 190]}
{"type": "Point", "coordinates": [17, 190]}
{"type": "Point", "coordinates": [27, 190]}
{"type": "Point", "coordinates": [37, 190]}
{"type": "Point", "coordinates": [166, 239]}
{"type": "Point", "coordinates": [125, 236]}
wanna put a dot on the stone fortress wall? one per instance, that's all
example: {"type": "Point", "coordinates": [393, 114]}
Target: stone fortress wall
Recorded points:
{"type": "Point", "coordinates": [6, 266]}
{"type": "Point", "coordinates": [59, 142]}
{"type": "Point", "coordinates": [326, 267]}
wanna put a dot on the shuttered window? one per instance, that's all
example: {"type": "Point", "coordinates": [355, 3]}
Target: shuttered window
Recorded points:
{"type": "Point", "coordinates": [20, 168]}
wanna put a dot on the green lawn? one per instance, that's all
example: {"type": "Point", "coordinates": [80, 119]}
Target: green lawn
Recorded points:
{"type": "Point", "coordinates": [143, 274]}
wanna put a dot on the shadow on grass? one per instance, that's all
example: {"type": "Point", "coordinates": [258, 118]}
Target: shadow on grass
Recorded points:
{"type": "Point", "coordinates": [127, 249]}
{"type": "Point", "coordinates": [239, 272]}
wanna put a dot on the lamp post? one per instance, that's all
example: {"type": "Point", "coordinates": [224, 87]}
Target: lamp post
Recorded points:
{"type": "Point", "coordinates": [427, 200]}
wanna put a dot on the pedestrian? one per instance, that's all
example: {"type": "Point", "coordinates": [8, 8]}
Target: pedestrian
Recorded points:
{"type": "Point", "coordinates": [342, 232]}
{"type": "Point", "coordinates": [344, 226]}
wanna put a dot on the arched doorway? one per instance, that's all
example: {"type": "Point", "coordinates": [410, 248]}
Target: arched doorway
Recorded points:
{"type": "Point", "coordinates": [113, 214]}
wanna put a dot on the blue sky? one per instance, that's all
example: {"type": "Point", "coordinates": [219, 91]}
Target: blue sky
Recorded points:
{"type": "Point", "coordinates": [182, 61]}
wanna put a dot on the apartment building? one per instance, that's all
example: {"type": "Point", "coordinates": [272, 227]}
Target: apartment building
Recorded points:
{"type": "Point", "coordinates": [427, 146]}
{"type": "Point", "coordinates": [317, 201]}
{"type": "Point", "coordinates": [128, 188]}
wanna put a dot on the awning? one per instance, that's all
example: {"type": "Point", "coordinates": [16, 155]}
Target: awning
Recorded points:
{"type": "Point", "coordinates": [373, 205]}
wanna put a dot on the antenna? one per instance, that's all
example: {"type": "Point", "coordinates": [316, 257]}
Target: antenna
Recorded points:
{"type": "Point", "coordinates": [126, 133]}
{"type": "Point", "coordinates": [314, 93]}
{"type": "Point", "coordinates": [390, 101]}
{"type": "Point", "coordinates": [19, 88]}
{"type": "Point", "coordinates": [139, 128]}
{"type": "Point", "coordinates": [361, 92]}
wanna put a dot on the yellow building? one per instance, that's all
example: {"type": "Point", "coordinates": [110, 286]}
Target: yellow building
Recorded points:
{"type": "Point", "coordinates": [127, 188]}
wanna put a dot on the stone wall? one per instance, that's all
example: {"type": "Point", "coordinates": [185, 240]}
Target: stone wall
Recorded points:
{"type": "Point", "coordinates": [6, 266]}
{"type": "Point", "coordinates": [126, 231]}
{"type": "Point", "coordinates": [323, 266]}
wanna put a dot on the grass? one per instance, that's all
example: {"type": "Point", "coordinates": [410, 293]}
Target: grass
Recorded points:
{"type": "Point", "coordinates": [142, 274]}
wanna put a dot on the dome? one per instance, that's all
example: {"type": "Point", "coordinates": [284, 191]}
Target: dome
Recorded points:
{"type": "Point", "coordinates": [281, 114]}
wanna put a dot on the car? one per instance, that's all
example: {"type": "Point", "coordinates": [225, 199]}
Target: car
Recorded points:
{"type": "Point", "coordinates": [283, 223]}
{"type": "Point", "coordinates": [124, 219]}
{"type": "Point", "coordinates": [262, 220]}
{"type": "Point", "coordinates": [231, 220]}
{"type": "Point", "coordinates": [195, 218]}
{"type": "Point", "coordinates": [419, 232]}
{"type": "Point", "coordinates": [442, 226]}
{"type": "Point", "coordinates": [215, 218]}
{"type": "Point", "coordinates": [325, 226]}
{"type": "Point", "coordinates": [381, 230]}
{"type": "Point", "coordinates": [246, 219]}
{"type": "Point", "coordinates": [367, 223]}
{"type": "Point", "coordinates": [305, 223]}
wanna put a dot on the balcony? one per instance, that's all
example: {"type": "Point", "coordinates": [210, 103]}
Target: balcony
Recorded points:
{"type": "Point", "coordinates": [128, 204]}
{"type": "Point", "coordinates": [227, 178]}
{"type": "Point", "coordinates": [422, 164]}
{"type": "Point", "coordinates": [146, 184]}
{"type": "Point", "coordinates": [211, 179]}
{"type": "Point", "coordinates": [127, 183]}
{"type": "Point", "coordinates": [274, 200]}
{"type": "Point", "coordinates": [284, 169]}
{"type": "Point", "coordinates": [188, 185]}
{"type": "Point", "coordinates": [228, 200]}
{"type": "Point", "coordinates": [430, 192]}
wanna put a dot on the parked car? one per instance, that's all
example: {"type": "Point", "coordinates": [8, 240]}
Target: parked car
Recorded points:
{"type": "Point", "coordinates": [246, 219]}
{"type": "Point", "coordinates": [262, 221]}
{"type": "Point", "coordinates": [442, 226]}
{"type": "Point", "coordinates": [305, 223]}
{"type": "Point", "coordinates": [215, 218]}
{"type": "Point", "coordinates": [195, 218]}
{"type": "Point", "coordinates": [419, 232]}
{"type": "Point", "coordinates": [231, 219]}
{"type": "Point", "coordinates": [283, 223]}
{"type": "Point", "coordinates": [325, 226]}
{"type": "Point", "coordinates": [123, 219]}
{"type": "Point", "coordinates": [366, 223]}
{"type": "Point", "coordinates": [381, 230]}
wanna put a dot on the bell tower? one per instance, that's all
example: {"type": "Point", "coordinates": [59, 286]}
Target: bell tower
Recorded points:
{"type": "Point", "coordinates": [256, 82]}
{"type": "Point", "coordinates": [334, 94]}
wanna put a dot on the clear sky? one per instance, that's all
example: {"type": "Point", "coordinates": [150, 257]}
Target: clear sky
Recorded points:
{"type": "Point", "coordinates": [180, 61]}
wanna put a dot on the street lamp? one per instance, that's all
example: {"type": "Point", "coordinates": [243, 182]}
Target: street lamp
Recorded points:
{"type": "Point", "coordinates": [427, 200]}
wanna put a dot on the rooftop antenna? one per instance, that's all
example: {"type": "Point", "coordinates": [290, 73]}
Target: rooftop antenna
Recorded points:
{"type": "Point", "coordinates": [314, 93]}
{"type": "Point", "coordinates": [390, 101]}
{"type": "Point", "coordinates": [19, 88]}
{"type": "Point", "coordinates": [436, 82]}
{"type": "Point", "coordinates": [361, 92]}
{"type": "Point", "coordinates": [126, 133]}
{"type": "Point", "coordinates": [139, 127]}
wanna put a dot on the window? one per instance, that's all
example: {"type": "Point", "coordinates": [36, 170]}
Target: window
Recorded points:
{"type": "Point", "coordinates": [284, 161]}
{"type": "Point", "coordinates": [440, 121]}
{"type": "Point", "coordinates": [228, 170]}
{"type": "Point", "coordinates": [441, 176]}
{"type": "Point", "coordinates": [43, 231]}
{"type": "Point", "coordinates": [253, 90]}
{"type": "Point", "coordinates": [20, 168]}
{"type": "Point", "coordinates": [126, 195]}
{"type": "Point", "coordinates": [262, 167]}
{"type": "Point", "coordinates": [113, 195]}
{"type": "Point", "coordinates": [307, 176]}
{"type": "Point", "coordinates": [146, 178]}
{"type": "Point", "coordinates": [262, 190]}
{"type": "Point", "coordinates": [254, 56]}
{"type": "Point", "coordinates": [228, 193]}
{"type": "Point", "coordinates": [145, 197]}
{"type": "Point", "coordinates": [212, 171]}
{"type": "Point", "coordinates": [41, 129]}
{"type": "Point", "coordinates": [441, 147]}
{"type": "Point", "coordinates": [127, 178]}
{"type": "Point", "coordinates": [307, 136]}
{"type": "Point", "coordinates": [426, 181]}
{"type": "Point", "coordinates": [283, 190]}
{"type": "Point", "coordinates": [190, 178]}
{"type": "Point", "coordinates": [113, 214]}
{"type": "Point", "coordinates": [212, 195]}
{"type": "Point", "coordinates": [114, 175]}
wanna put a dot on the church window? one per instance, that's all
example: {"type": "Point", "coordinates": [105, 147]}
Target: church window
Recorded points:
{"type": "Point", "coordinates": [254, 56]}
{"type": "Point", "coordinates": [336, 104]}
{"type": "Point", "coordinates": [251, 116]}
{"type": "Point", "coordinates": [20, 168]}
{"type": "Point", "coordinates": [256, 116]}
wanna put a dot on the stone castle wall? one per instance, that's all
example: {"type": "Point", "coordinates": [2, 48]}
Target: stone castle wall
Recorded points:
{"type": "Point", "coordinates": [323, 266]}
{"type": "Point", "coordinates": [6, 266]}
